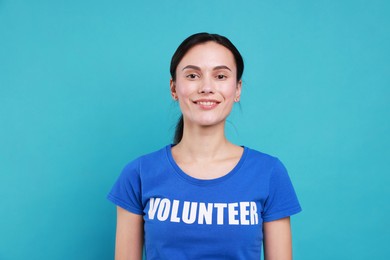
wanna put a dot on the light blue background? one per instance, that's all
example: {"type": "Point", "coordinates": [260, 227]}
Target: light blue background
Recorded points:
{"type": "Point", "coordinates": [84, 88]}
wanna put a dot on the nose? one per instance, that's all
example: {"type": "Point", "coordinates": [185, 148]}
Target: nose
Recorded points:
{"type": "Point", "coordinates": [206, 86]}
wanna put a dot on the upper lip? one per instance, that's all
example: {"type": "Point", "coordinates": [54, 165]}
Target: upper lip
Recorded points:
{"type": "Point", "coordinates": [205, 100]}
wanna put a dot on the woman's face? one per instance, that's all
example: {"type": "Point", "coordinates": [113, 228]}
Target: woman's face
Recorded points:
{"type": "Point", "coordinates": [206, 84]}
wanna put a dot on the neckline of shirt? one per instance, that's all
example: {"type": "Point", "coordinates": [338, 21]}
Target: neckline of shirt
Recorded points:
{"type": "Point", "coordinates": [203, 182]}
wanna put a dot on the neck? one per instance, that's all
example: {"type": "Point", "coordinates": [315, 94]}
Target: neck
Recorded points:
{"type": "Point", "coordinates": [203, 143]}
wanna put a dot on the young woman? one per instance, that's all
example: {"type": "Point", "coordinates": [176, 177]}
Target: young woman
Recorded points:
{"type": "Point", "coordinates": [204, 197]}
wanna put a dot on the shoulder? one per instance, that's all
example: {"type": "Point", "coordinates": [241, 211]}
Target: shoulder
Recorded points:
{"type": "Point", "coordinates": [146, 160]}
{"type": "Point", "coordinates": [266, 164]}
{"type": "Point", "coordinates": [259, 157]}
{"type": "Point", "coordinates": [159, 154]}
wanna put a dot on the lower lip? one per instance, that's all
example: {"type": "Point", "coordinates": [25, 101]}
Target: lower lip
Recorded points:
{"type": "Point", "coordinates": [207, 107]}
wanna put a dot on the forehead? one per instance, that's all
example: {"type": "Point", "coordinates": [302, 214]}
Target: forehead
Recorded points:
{"type": "Point", "coordinates": [209, 54]}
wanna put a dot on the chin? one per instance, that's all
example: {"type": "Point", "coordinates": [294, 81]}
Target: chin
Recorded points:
{"type": "Point", "coordinates": [210, 122]}
{"type": "Point", "coordinates": [205, 121]}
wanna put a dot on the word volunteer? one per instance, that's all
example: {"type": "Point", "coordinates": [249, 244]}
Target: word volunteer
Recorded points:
{"type": "Point", "coordinates": [238, 213]}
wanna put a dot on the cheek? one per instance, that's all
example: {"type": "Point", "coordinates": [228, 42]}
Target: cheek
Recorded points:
{"type": "Point", "coordinates": [230, 91]}
{"type": "Point", "coordinates": [185, 90]}
{"type": "Point", "coordinates": [182, 92]}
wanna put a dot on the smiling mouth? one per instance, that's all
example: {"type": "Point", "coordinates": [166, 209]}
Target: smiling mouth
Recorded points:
{"type": "Point", "coordinates": [206, 103]}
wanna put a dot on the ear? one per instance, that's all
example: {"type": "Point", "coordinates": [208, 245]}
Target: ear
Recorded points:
{"type": "Point", "coordinates": [238, 91]}
{"type": "Point", "coordinates": [173, 89]}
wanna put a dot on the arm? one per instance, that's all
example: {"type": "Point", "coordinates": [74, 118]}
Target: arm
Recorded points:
{"type": "Point", "coordinates": [129, 235]}
{"type": "Point", "coordinates": [277, 240]}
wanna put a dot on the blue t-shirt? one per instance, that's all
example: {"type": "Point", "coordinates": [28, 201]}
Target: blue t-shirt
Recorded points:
{"type": "Point", "coordinates": [189, 218]}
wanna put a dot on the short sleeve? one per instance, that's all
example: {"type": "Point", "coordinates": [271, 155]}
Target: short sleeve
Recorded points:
{"type": "Point", "coordinates": [126, 191]}
{"type": "Point", "coordinates": [282, 200]}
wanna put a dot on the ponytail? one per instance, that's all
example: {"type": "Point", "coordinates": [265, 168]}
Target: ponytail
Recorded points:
{"type": "Point", "coordinates": [179, 130]}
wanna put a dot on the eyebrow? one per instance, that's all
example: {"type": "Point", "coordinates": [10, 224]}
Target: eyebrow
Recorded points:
{"type": "Point", "coordinates": [215, 68]}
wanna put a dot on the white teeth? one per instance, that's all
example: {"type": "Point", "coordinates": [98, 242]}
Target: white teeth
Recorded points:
{"type": "Point", "coordinates": [206, 103]}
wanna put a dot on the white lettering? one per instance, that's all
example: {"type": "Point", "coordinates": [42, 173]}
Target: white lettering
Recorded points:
{"type": "Point", "coordinates": [220, 207]}
{"type": "Point", "coordinates": [175, 208]}
{"type": "Point", "coordinates": [176, 211]}
{"type": "Point", "coordinates": [233, 212]}
{"type": "Point", "coordinates": [189, 218]}
{"type": "Point", "coordinates": [244, 212]}
{"type": "Point", "coordinates": [253, 212]}
{"type": "Point", "coordinates": [205, 214]}
{"type": "Point", "coordinates": [153, 204]}
{"type": "Point", "coordinates": [163, 210]}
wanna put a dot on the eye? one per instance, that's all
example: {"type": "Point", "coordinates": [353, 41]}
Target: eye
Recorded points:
{"type": "Point", "coordinates": [221, 76]}
{"type": "Point", "coordinates": [192, 76]}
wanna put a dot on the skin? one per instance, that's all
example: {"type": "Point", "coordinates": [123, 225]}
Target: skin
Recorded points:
{"type": "Point", "coordinates": [129, 235]}
{"type": "Point", "coordinates": [277, 240]}
{"type": "Point", "coordinates": [206, 88]}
